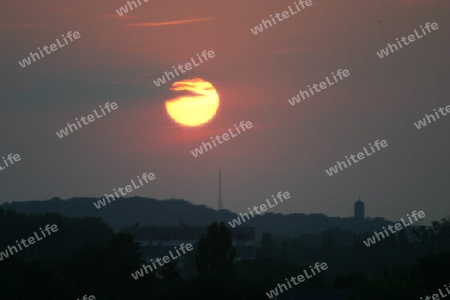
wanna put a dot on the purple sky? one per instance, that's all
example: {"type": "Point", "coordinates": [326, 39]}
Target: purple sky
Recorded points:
{"type": "Point", "coordinates": [289, 147]}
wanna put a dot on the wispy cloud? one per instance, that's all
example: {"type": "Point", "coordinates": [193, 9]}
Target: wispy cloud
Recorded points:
{"type": "Point", "coordinates": [24, 26]}
{"type": "Point", "coordinates": [291, 50]}
{"type": "Point", "coordinates": [255, 50]}
{"type": "Point", "coordinates": [169, 48]}
{"type": "Point", "coordinates": [417, 2]}
{"type": "Point", "coordinates": [175, 22]}
{"type": "Point", "coordinates": [117, 17]}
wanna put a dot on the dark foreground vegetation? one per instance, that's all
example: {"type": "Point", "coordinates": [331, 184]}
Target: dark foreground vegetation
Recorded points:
{"type": "Point", "coordinates": [85, 257]}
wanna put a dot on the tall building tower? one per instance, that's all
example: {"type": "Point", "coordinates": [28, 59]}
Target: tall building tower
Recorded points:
{"type": "Point", "coordinates": [359, 209]}
{"type": "Point", "coordinates": [220, 189]}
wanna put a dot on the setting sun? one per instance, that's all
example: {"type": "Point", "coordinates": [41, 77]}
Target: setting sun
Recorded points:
{"type": "Point", "coordinates": [196, 108]}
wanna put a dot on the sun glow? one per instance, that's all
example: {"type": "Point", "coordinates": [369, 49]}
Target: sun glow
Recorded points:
{"type": "Point", "coordinates": [197, 108]}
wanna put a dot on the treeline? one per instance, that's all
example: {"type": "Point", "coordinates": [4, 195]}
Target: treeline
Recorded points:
{"type": "Point", "coordinates": [72, 234]}
{"type": "Point", "coordinates": [85, 257]}
{"type": "Point", "coordinates": [410, 264]}
{"type": "Point", "coordinates": [347, 255]}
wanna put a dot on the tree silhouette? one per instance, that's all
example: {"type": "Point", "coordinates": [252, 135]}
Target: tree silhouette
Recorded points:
{"type": "Point", "coordinates": [170, 271]}
{"type": "Point", "coordinates": [327, 245]}
{"type": "Point", "coordinates": [215, 249]}
{"type": "Point", "coordinates": [268, 246]}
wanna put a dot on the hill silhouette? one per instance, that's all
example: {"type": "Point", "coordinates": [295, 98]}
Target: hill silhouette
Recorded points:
{"type": "Point", "coordinates": [151, 212]}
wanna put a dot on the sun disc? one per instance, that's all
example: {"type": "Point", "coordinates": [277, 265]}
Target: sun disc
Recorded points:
{"type": "Point", "coordinates": [197, 108]}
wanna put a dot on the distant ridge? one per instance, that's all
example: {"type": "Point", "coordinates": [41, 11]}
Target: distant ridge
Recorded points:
{"type": "Point", "coordinates": [151, 212]}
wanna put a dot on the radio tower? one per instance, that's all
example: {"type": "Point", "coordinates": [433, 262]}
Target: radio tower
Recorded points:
{"type": "Point", "coordinates": [220, 189]}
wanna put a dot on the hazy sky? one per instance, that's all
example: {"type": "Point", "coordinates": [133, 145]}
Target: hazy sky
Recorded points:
{"type": "Point", "coordinates": [289, 147]}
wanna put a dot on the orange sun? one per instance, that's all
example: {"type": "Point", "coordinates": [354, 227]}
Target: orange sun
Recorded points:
{"type": "Point", "coordinates": [197, 108]}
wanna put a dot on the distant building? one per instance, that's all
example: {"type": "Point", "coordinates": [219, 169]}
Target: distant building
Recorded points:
{"type": "Point", "coordinates": [359, 209]}
{"type": "Point", "coordinates": [158, 241]}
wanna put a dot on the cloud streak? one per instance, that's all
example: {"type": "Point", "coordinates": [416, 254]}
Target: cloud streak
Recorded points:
{"type": "Point", "coordinates": [25, 26]}
{"type": "Point", "coordinates": [175, 22]}
{"type": "Point", "coordinates": [116, 16]}
{"type": "Point", "coordinates": [291, 50]}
